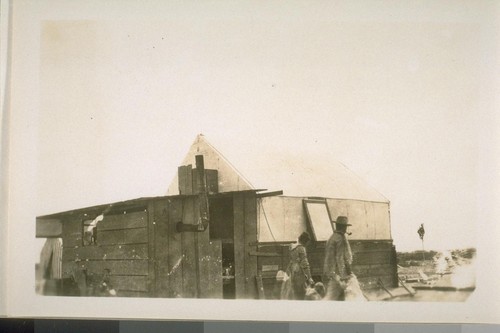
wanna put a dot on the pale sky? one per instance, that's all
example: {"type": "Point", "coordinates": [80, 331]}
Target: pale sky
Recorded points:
{"type": "Point", "coordinates": [398, 95]}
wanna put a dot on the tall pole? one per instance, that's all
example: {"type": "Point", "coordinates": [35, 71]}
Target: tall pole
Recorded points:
{"type": "Point", "coordinates": [421, 233]}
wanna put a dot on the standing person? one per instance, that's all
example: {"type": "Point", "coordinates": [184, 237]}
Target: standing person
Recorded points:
{"type": "Point", "coordinates": [338, 260]}
{"type": "Point", "coordinates": [298, 270]}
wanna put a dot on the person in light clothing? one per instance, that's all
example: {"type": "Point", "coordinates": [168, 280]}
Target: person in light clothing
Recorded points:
{"type": "Point", "coordinates": [338, 260]}
{"type": "Point", "coordinates": [298, 270]}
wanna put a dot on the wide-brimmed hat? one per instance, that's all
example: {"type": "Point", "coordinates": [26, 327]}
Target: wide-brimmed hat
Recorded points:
{"type": "Point", "coordinates": [342, 220]}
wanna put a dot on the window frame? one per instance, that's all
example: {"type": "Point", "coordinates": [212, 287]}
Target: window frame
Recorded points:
{"type": "Point", "coordinates": [310, 221]}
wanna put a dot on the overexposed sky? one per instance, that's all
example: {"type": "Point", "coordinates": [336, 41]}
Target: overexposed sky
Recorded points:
{"type": "Point", "coordinates": [397, 92]}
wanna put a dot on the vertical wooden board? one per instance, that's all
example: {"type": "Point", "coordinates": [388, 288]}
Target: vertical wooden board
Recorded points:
{"type": "Point", "coordinates": [71, 230]}
{"type": "Point", "coordinates": [175, 257]}
{"type": "Point", "coordinates": [185, 179]}
{"type": "Point", "coordinates": [250, 238]}
{"type": "Point", "coordinates": [214, 270]}
{"type": "Point", "coordinates": [212, 181]}
{"type": "Point", "coordinates": [148, 236]}
{"type": "Point", "coordinates": [204, 259]}
{"type": "Point", "coordinates": [129, 283]}
{"type": "Point", "coordinates": [161, 239]}
{"type": "Point", "coordinates": [189, 262]}
{"type": "Point", "coordinates": [239, 244]}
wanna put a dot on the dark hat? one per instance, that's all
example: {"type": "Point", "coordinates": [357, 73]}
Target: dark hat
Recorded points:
{"type": "Point", "coordinates": [342, 220]}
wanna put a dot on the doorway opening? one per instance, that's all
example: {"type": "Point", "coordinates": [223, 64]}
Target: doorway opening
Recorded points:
{"type": "Point", "coordinates": [222, 228]}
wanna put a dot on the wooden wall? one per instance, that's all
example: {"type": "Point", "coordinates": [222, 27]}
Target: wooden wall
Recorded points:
{"type": "Point", "coordinates": [372, 260]}
{"type": "Point", "coordinates": [146, 255]}
{"type": "Point", "coordinates": [121, 247]}
{"type": "Point", "coordinates": [245, 239]}
{"type": "Point", "coordinates": [187, 264]}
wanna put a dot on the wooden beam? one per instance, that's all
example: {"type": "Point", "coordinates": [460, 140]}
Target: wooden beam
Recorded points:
{"type": "Point", "coordinates": [260, 287]}
{"type": "Point", "coordinates": [409, 289]}
{"type": "Point", "coordinates": [48, 228]}
{"type": "Point", "coordinates": [381, 284]}
{"type": "Point", "coordinates": [269, 194]}
{"type": "Point", "coordinates": [263, 254]}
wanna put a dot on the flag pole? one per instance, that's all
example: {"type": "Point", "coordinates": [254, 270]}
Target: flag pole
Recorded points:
{"type": "Point", "coordinates": [421, 233]}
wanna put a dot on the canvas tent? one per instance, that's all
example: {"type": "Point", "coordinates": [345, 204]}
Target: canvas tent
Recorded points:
{"type": "Point", "coordinates": [334, 191]}
{"type": "Point", "coordinates": [282, 218]}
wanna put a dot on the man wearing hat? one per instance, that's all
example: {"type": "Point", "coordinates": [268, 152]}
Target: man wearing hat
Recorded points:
{"type": "Point", "coordinates": [338, 260]}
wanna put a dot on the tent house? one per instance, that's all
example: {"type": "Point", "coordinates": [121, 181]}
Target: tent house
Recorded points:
{"type": "Point", "coordinates": [215, 235]}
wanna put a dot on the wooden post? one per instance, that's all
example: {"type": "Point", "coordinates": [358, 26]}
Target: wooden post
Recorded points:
{"type": "Point", "coordinates": [202, 191]}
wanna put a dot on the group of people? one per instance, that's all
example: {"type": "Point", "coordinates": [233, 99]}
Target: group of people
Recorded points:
{"type": "Point", "coordinates": [336, 269]}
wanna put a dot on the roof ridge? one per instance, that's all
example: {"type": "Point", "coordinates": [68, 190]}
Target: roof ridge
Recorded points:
{"type": "Point", "coordinates": [202, 137]}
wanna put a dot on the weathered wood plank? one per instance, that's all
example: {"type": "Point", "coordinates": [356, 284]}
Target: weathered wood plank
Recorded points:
{"type": "Point", "coordinates": [185, 179]}
{"type": "Point", "coordinates": [189, 263]}
{"type": "Point", "coordinates": [175, 257]}
{"type": "Point", "coordinates": [206, 263]}
{"type": "Point", "coordinates": [374, 257]}
{"type": "Point", "coordinates": [362, 246]}
{"type": "Point", "coordinates": [48, 228]}
{"type": "Point", "coordinates": [212, 181]}
{"type": "Point", "coordinates": [106, 252]}
{"type": "Point", "coordinates": [124, 236]}
{"type": "Point", "coordinates": [263, 254]}
{"type": "Point", "coordinates": [123, 221]}
{"type": "Point", "coordinates": [73, 240]}
{"type": "Point", "coordinates": [150, 239]}
{"type": "Point", "coordinates": [129, 283]}
{"type": "Point", "coordinates": [250, 237]}
{"type": "Point", "coordinates": [116, 267]}
{"type": "Point", "coordinates": [372, 270]}
{"type": "Point", "coordinates": [71, 226]}
{"type": "Point", "coordinates": [260, 287]}
{"type": "Point", "coordinates": [214, 263]}
{"type": "Point", "coordinates": [239, 244]}
{"type": "Point", "coordinates": [162, 249]}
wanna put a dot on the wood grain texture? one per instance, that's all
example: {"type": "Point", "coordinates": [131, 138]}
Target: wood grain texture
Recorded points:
{"type": "Point", "coordinates": [251, 290]}
{"type": "Point", "coordinates": [116, 267]}
{"type": "Point", "coordinates": [106, 252]}
{"type": "Point", "coordinates": [123, 221]}
{"type": "Point", "coordinates": [239, 244]}
{"type": "Point", "coordinates": [174, 251]}
{"type": "Point", "coordinates": [185, 180]}
{"type": "Point", "coordinates": [149, 235]}
{"type": "Point", "coordinates": [48, 228]}
{"type": "Point", "coordinates": [124, 236]}
{"type": "Point", "coordinates": [161, 239]}
{"type": "Point", "coordinates": [130, 283]}
{"type": "Point", "coordinates": [189, 263]}
{"type": "Point", "coordinates": [214, 270]}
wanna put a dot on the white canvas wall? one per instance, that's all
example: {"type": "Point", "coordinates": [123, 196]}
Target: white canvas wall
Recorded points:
{"type": "Point", "coordinates": [283, 219]}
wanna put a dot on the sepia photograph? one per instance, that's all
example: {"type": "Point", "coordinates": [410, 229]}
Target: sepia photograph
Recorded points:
{"type": "Point", "coordinates": [308, 155]}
